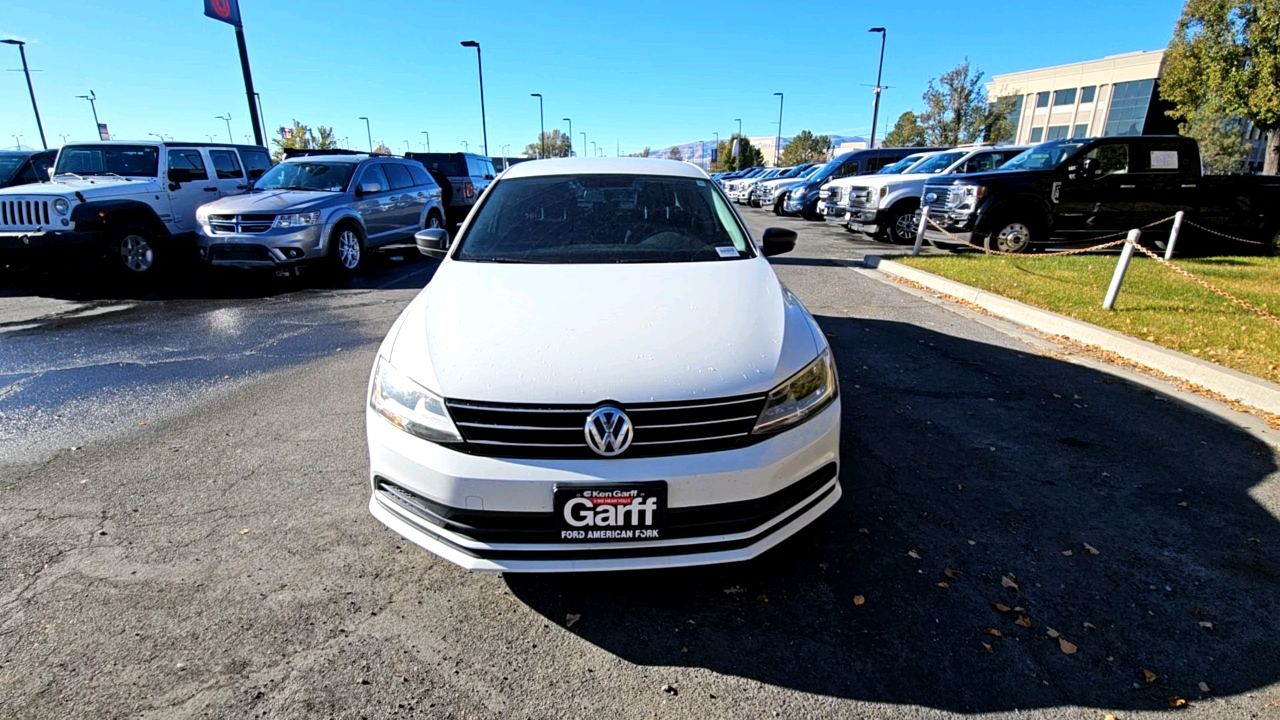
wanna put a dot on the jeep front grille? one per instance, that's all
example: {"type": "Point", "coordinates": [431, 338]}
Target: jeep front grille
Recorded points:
{"type": "Point", "coordinates": [23, 214]}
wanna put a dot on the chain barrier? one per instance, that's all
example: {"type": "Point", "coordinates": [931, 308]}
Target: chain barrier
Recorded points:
{"type": "Point", "coordinates": [1205, 284]}
{"type": "Point", "coordinates": [1222, 235]}
{"type": "Point", "coordinates": [1077, 251]}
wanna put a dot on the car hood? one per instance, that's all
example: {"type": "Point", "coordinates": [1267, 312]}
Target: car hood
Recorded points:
{"type": "Point", "coordinates": [88, 188]}
{"type": "Point", "coordinates": [270, 201]}
{"type": "Point", "coordinates": [582, 334]}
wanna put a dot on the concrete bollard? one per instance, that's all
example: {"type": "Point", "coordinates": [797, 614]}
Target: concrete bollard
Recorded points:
{"type": "Point", "coordinates": [1173, 235]}
{"type": "Point", "coordinates": [1121, 268]}
{"type": "Point", "coordinates": [924, 220]}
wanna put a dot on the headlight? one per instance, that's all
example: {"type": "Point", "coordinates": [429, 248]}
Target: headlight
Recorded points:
{"type": "Point", "coordinates": [409, 406]}
{"type": "Point", "coordinates": [297, 220]}
{"type": "Point", "coordinates": [61, 206]}
{"type": "Point", "coordinates": [965, 198]}
{"type": "Point", "coordinates": [801, 396]}
{"type": "Point", "coordinates": [798, 192]}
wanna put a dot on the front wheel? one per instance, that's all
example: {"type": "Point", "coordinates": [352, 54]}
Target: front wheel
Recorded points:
{"type": "Point", "coordinates": [902, 226]}
{"type": "Point", "coordinates": [346, 249]}
{"type": "Point", "coordinates": [1275, 245]}
{"type": "Point", "coordinates": [133, 249]}
{"type": "Point", "coordinates": [433, 221]}
{"type": "Point", "coordinates": [1013, 236]}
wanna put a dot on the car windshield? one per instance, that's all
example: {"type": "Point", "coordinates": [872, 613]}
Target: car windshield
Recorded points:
{"type": "Point", "coordinates": [901, 165]}
{"type": "Point", "coordinates": [309, 175]}
{"type": "Point", "coordinates": [123, 160]}
{"type": "Point", "coordinates": [604, 219]}
{"type": "Point", "coordinates": [937, 163]}
{"type": "Point", "coordinates": [1043, 157]}
{"type": "Point", "coordinates": [9, 164]}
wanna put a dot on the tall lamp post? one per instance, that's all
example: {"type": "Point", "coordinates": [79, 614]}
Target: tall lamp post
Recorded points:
{"type": "Point", "coordinates": [424, 132]}
{"type": "Point", "coordinates": [92, 98]}
{"type": "Point", "coordinates": [542, 136]}
{"type": "Point", "coordinates": [480, 66]}
{"type": "Point", "coordinates": [777, 144]}
{"type": "Point", "coordinates": [584, 141]}
{"type": "Point", "coordinates": [875, 112]}
{"type": "Point", "coordinates": [570, 136]}
{"type": "Point", "coordinates": [715, 150]}
{"type": "Point", "coordinates": [22, 50]}
{"type": "Point", "coordinates": [594, 151]}
{"type": "Point", "coordinates": [466, 146]}
{"type": "Point", "coordinates": [368, 133]}
{"type": "Point", "coordinates": [739, 121]}
{"type": "Point", "coordinates": [227, 117]}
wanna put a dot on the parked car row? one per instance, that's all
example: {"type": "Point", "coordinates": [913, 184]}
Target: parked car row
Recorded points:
{"type": "Point", "coordinates": [135, 202]}
{"type": "Point", "coordinates": [1018, 198]}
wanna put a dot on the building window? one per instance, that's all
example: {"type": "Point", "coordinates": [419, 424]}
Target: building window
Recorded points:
{"type": "Point", "coordinates": [1080, 131]}
{"type": "Point", "coordinates": [1129, 103]}
{"type": "Point", "coordinates": [1057, 132]}
{"type": "Point", "coordinates": [1037, 134]}
{"type": "Point", "coordinates": [1064, 97]}
{"type": "Point", "coordinates": [1042, 99]}
{"type": "Point", "coordinates": [1015, 115]}
{"type": "Point", "coordinates": [1086, 94]}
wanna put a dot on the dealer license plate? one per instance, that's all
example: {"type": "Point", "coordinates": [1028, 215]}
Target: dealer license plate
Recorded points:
{"type": "Point", "coordinates": [605, 513]}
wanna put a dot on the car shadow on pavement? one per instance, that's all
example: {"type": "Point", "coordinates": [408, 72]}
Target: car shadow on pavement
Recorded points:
{"type": "Point", "coordinates": [1016, 532]}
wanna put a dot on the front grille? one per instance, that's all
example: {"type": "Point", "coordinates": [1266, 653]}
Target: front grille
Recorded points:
{"type": "Point", "coordinates": [557, 431]}
{"type": "Point", "coordinates": [835, 194]}
{"type": "Point", "coordinates": [859, 197]}
{"type": "Point", "coordinates": [246, 253]}
{"type": "Point", "coordinates": [23, 214]}
{"type": "Point", "coordinates": [240, 224]}
{"type": "Point", "coordinates": [937, 206]}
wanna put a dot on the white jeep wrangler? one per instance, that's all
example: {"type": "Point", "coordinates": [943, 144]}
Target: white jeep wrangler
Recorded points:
{"type": "Point", "coordinates": [133, 200]}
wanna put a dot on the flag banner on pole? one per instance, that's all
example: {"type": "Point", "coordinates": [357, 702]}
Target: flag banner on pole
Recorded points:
{"type": "Point", "coordinates": [227, 11]}
{"type": "Point", "coordinates": [735, 147]}
{"type": "Point", "coordinates": [103, 132]}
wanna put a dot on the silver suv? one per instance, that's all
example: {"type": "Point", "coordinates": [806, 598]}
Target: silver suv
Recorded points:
{"type": "Point", "coordinates": [331, 208]}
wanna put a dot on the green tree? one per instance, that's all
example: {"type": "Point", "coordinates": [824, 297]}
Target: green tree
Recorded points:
{"type": "Point", "coordinates": [957, 111]}
{"type": "Point", "coordinates": [748, 155]}
{"type": "Point", "coordinates": [552, 144]}
{"type": "Point", "coordinates": [906, 132]}
{"type": "Point", "coordinates": [674, 154]}
{"type": "Point", "coordinates": [301, 137]}
{"type": "Point", "coordinates": [1223, 147]}
{"type": "Point", "coordinates": [806, 147]}
{"type": "Point", "coordinates": [1001, 126]}
{"type": "Point", "coordinates": [1224, 61]}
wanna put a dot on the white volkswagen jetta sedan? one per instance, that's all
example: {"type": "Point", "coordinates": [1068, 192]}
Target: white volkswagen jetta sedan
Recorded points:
{"type": "Point", "coordinates": [604, 373]}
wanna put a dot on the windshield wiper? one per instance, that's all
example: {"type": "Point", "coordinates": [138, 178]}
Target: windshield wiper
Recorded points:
{"type": "Point", "coordinates": [68, 173]}
{"type": "Point", "coordinates": [503, 260]}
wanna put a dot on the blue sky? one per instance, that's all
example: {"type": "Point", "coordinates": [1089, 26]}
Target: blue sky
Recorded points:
{"type": "Point", "coordinates": [656, 73]}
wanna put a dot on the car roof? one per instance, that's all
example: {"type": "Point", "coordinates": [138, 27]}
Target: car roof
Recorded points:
{"type": "Point", "coordinates": [604, 166]}
{"type": "Point", "coordinates": [166, 143]}
{"type": "Point", "coordinates": [337, 158]}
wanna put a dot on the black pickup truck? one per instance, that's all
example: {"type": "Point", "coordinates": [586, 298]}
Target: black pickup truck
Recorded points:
{"type": "Point", "coordinates": [1068, 192]}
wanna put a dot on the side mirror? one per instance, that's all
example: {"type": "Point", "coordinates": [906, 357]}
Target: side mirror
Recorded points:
{"type": "Point", "coordinates": [488, 177]}
{"type": "Point", "coordinates": [1089, 168]}
{"type": "Point", "coordinates": [777, 241]}
{"type": "Point", "coordinates": [368, 188]}
{"type": "Point", "coordinates": [434, 242]}
{"type": "Point", "coordinates": [177, 176]}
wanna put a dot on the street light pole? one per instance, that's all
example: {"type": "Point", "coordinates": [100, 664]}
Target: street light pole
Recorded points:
{"type": "Point", "coordinates": [777, 144]}
{"type": "Point", "coordinates": [542, 124]}
{"type": "Point", "coordinates": [424, 132]}
{"type": "Point", "coordinates": [570, 136]}
{"type": "Point", "coordinates": [875, 112]}
{"type": "Point", "coordinates": [584, 141]}
{"type": "Point", "coordinates": [484, 129]}
{"type": "Point", "coordinates": [92, 106]}
{"type": "Point", "coordinates": [594, 151]}
{"type": "Point", "coordinates": [739, 121]}
{"type": "Point", "coordinates": [368, 132]}
{"type": "Point", "coordinates": [715, 150]}
{"type": "Point", "coordinates": [227, 117]}
{"type": "Point", "coordinates": [466, 146]}
{"type": "Point", "coordinates": [261, 117]}
{"type": "Point", "coordinates": [407, 146]}
{"type": "Point", "coordinates": [22, 50]}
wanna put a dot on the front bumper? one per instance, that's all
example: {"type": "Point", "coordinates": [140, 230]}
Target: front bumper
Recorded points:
{"type": "Point", "coordinates": [496, 514]}
{"type": "Point", "coordinates": [274, 248]}
{"type": "Point", "coordinates": [958, 229]}
{"type": "Point", "coordinates": [796, 205]}
{"type": "Point", "coordinates": [831, 210]}
{"type": "Point", "coordinates": [22, 241]}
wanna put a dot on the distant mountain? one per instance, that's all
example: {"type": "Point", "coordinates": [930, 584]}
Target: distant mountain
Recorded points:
{"type": "Point", "coordinates": [699, 151]}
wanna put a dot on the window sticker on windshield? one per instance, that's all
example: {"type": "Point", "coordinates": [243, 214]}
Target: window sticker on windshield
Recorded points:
{"type": "Point", "coordinates": [1164, 159]}
{"type": "Point", "coordinates": [701, 184]}
{"type": "Point", "coordinates": [728, 252]}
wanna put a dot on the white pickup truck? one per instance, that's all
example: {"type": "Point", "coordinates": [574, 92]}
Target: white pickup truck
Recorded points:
{"type": "Point", "coordinates": [129, 199]}
{"type": "Point", "coordinates": [887, 206]}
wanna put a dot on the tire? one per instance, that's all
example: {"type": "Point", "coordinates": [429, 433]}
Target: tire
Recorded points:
{"type": "Point", "coordinates": [433, 221]}
{"type": "Point", "coordinates": [901, 226]}
{"type": "Point", "coordinates": [132, 249]}
{"type": "Point", "coordinates": [777, 206]}
{"type": "Point", "coordinates": [1274, 247]}
{"type": "Point", "coordinates": [347, 249]}
{"type": "Point", "coordinates": [1012, 235]}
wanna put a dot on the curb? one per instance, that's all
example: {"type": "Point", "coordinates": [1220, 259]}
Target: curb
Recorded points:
{"type": "Point", "coordinates": [1232, 384]}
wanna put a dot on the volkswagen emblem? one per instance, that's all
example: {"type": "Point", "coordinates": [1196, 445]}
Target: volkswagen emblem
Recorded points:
{"type": "Point", "coordinates": [608, 431]}
{"type": "Point", "coordinates": [931, 197]}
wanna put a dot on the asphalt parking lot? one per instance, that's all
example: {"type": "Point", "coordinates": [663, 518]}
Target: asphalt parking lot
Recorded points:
{"type": "Point", "coordinates": [184, 532]}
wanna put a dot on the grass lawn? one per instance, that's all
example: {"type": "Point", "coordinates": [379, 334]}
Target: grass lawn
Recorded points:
{"type": "Point", "coordinates": [1155, 304]}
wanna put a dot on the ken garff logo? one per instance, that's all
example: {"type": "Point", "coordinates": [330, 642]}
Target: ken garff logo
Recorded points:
{"type": "Point", "coordinates": [608, 431]}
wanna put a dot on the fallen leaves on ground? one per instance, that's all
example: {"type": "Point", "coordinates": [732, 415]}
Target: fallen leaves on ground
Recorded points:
{"type": "Point", "coordinates": [913, 554]}
{"type": "Point", "coordinates": [735, 590]}
{"type": "Point", "coordinates": [1177, 702]}
{"type": "Point", "coordinates": [943, 585]}
{"type": "Point", "coordinates": [1206, 625]}
{"type": "Point", "coordinates": [859, 600]}
{"type": "Point", "coordinates": [988, 647]}
{"type": "Point", "coordinates": [864, 531]}
{"type": "Point", "coordinates": [1092, 550]}
{"type": "Point", "coordinates": [762, 598]}
{"type": "Point", "coordinates": [1090, 626]}
{"type": "Point", "coordinates": [670, 690]}
{"type": "Point", "coordinates": [823, 566]}
{"type": "Point", "coordinates": [1204, 687]}
{"type": "Point", "coordinates": [949, 573]}
{"type": "Point", "coordinates": [244, 531]}
{"type": "Point", "coordinates": [1067, 553]}
{"type": "Point", "coordinates": [1023, 620]}
{"type": "Point", "coordinates": [1001, 607]}
{"type": "Point", "coordinates": [1052, 633]}
{"type": "Point", "coordinates": [1150, 676]}
{"type": "Point", "coordinates": [994, 632]}
{"type": "Point", "coordinates": [1008, 582]}
{"type": "Point", "coordinates": [1067, 647]}
{"type": "Point", "coordinates": [570, 619]}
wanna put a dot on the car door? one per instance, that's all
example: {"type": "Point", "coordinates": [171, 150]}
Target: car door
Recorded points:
{"type": "Point", "coordinates": [373, 202]}
{"type": "Point", "coordinates": [1166, 177]}
{"type": "Point", "coordinates": [228, 173]}
{"type": "Point", "coordinates": [189, 186]}
{"type": "Point", "coordinates": [1098, 201]}
{"type": "Point", "coordinates": [408, 204]}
